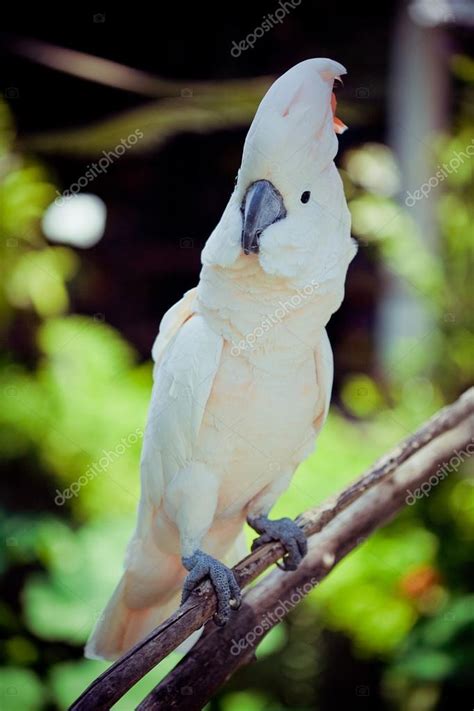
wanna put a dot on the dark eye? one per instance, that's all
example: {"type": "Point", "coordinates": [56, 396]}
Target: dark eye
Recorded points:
{"type": "Point", "coordinates": [305, 196]}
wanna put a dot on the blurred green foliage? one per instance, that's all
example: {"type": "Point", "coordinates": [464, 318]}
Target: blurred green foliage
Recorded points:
{"type": "Point", "coordinates": [403, 599]}
{"type": "Point", "coordinates": [200, 106]}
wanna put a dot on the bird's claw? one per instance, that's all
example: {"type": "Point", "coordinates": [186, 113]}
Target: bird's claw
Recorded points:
{"type": "Point", "coordinates": [202, 565]}
{"type": "Point", "coordinates": [287, 532]}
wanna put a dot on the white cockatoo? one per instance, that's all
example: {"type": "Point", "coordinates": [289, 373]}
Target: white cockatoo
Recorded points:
{"type": "Point", "coordinates": [243, 366]}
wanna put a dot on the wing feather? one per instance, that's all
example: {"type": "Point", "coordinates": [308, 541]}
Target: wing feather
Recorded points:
{"type": "Point", "coordinates": [184, 374]}
{"type": "Point", "coordinates": [171, 322]}
{"type": "Point", "coordinates": [324, 363]}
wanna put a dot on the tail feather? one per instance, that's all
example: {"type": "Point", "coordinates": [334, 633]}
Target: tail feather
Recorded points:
{"type": "Point", "coordinates": [120, 627]}
{"type": "Point", "coordinates": [146, 595]}
{"type": "Point", "coordinates": [148, 592]}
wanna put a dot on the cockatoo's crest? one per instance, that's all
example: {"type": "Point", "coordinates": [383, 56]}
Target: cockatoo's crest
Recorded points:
{"type": "Point", "coordinates": [294, 126]}
{"type": "Point", "coordinates": [288, 208]}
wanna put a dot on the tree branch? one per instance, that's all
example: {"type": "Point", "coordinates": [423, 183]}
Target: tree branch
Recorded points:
{"type": "Point", "coordinates": [335, 528]}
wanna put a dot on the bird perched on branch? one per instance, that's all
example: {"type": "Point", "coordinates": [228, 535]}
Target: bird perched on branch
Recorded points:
{"type": "Point", "coordinates": [243, 366]}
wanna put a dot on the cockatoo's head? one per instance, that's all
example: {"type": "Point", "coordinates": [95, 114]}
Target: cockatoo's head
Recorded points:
{"type": "Point", "coordinates": [288, 209]}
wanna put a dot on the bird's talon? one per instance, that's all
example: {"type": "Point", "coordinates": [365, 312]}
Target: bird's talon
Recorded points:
{"type": "Point", "coordinates": [286, 532]}
{"type": "Point", "coordinates": [202, 565]}
{"type": "Point", "coordinates": [219, 620]}
{"type": "Point", "coordinates": [236, 603]}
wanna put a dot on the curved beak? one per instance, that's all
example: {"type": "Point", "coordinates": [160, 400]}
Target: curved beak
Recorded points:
{"type": "Point", "coordinates": [261, 207]}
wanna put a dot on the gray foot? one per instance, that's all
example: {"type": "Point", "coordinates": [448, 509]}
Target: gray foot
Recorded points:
{"type": "Point", "coordinates": [202, 565]}
{"type": "Point", "coordinates": [284, 530]}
